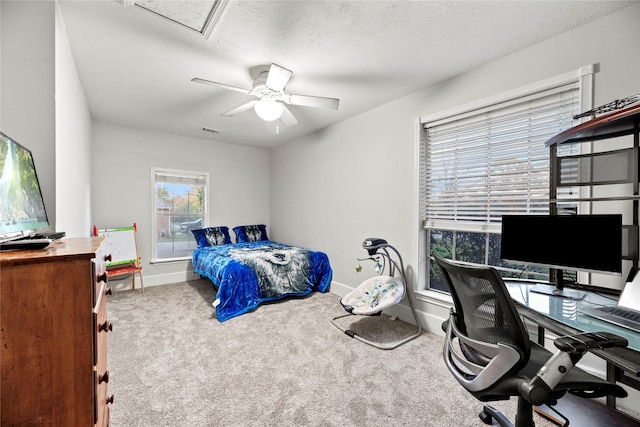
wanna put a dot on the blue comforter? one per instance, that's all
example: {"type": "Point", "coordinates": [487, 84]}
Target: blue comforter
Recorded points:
{"type": "Point", "coordinates": [248, 274]}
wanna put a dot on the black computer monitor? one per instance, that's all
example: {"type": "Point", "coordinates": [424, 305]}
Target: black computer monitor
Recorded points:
{"type": "Point", "coordinates": [591, 243]}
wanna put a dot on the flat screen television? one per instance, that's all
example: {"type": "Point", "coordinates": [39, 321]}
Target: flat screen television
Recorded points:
{"type": "Point", "coordinates": [591, 243]}
{"type": "Point", "coordinates": [22, 211]}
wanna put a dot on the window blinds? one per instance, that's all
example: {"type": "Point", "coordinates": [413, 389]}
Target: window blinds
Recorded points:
{"type": "Point", "coordinates": [179, 177]}
{"type": "Point", "coordinates": [482, 164]}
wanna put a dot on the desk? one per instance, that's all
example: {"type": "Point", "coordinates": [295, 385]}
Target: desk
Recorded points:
{"type": "Point", "coordinates": [561, 317]}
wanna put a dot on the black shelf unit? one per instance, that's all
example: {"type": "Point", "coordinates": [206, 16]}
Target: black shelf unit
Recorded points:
{"type": "Point", "coordinates": [618, 166]}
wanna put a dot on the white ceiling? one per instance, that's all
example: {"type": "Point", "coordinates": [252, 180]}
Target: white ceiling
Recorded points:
{"type": "Point", "coordinates": [136, 69]}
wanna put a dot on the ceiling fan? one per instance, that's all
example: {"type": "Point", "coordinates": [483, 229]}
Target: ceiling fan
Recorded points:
{"type": "Point", "coordinates": [269, 88]}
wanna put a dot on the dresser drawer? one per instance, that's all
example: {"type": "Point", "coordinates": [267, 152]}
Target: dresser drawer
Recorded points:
{"type": "Point", "coordinates": [102, 327]}
{"type": "Point", "coordinates": [99, 273]}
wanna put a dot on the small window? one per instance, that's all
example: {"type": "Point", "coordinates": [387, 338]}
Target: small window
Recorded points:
{"type": "Point", "coordinates": [179, 206]}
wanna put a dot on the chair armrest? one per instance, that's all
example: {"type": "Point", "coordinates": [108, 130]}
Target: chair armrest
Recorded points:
{"type": "Point", "coordinates": [571, 348]}
{"type": "Point", "coordinates": [581, 343]}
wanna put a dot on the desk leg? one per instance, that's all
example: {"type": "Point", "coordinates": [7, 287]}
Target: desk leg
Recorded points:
{"type": "Point", "coordinates": [541, 335]}
{"type": "Point", "coordinates": [612, 375]}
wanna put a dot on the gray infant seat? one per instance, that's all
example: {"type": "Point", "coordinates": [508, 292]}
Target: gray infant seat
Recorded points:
{"type": "Point", "coordinates": [378, 293]}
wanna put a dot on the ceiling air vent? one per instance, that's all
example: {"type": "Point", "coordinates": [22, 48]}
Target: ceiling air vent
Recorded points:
{"type": "Point", "coordinates": [210, 130]}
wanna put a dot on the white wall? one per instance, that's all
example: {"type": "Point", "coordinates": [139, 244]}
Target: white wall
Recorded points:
{"type": "Point", "coordinates": [43, 107]}
{"type": "Point", "coordinates": [356, 179]}
{"type": "Point", "coordinates": [73, 142]}
{"type": "Point", "coordinates": [28, 86]}
{"type": "Point", "coordinates": [121, 162]}
{"type": "Point", "coordinates": [0, 66]}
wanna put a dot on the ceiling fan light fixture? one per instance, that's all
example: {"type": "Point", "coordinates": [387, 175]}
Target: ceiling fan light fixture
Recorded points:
{"type": "Point", "coordinates": [269, 110]}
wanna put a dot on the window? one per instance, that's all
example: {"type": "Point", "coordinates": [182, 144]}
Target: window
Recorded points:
{"type": "Point", "coordinates": [485, 161]}
{"type": "Point", "coordinates": [179, 206]}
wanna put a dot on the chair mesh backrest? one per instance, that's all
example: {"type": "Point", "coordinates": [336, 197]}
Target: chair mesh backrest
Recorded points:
{"type": "Point", "coordinates": [484, 309]}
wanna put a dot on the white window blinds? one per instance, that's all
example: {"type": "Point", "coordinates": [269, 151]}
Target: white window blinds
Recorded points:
{"type": "Point", "coordinates": [482, 164]}
{"type": "Point", "coordinates": [179, 177]}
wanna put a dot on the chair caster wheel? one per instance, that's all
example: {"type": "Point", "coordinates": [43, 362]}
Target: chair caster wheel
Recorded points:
{"type": "Point", "coordinates": [486, 418]}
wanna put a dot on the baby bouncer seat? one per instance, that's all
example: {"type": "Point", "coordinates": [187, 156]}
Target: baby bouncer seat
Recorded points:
{"type": "Point", "coordinates": [378, 293]}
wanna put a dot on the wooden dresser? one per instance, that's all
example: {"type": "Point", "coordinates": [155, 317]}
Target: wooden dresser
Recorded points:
{"type": "Point", "coordinates": [53, 325]}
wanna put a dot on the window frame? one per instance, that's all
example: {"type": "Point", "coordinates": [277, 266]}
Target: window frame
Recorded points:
{"type": "Point", "coordinates": [180, 175]}
{"type": "Point", "coordinates": [583, 77]}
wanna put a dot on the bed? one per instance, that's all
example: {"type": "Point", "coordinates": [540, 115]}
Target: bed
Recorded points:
{"type": "Point", "coordinates": [256, 270]}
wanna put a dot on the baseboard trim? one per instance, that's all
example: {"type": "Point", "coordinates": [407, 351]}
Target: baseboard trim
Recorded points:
{"type": "Point", "coordinates": [124, 283]}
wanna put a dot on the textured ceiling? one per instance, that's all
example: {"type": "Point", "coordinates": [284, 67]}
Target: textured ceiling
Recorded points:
{"type": "Point", "coordinates": [136, 69]}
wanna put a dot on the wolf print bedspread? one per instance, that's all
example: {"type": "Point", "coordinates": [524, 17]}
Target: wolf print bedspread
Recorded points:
{"type": "Point", "coordinates": [248, 274]}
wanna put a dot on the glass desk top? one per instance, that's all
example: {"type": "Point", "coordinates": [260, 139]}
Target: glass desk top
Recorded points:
{"type": "Point", "coordinates": [566, 311]}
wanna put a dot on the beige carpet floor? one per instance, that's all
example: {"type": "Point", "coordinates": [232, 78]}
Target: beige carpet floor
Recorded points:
{"type": "Point", "coordinates": [173, 364]}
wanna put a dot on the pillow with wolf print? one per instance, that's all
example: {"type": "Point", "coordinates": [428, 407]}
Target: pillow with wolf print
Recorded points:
{"type": "Point", "coordinates": [212, 236]}
{"type": "Point", "coordinates": [250, 233]}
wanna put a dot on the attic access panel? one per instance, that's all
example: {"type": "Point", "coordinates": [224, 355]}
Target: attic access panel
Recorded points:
{"type": "Point", "coordinates": [199, 16]}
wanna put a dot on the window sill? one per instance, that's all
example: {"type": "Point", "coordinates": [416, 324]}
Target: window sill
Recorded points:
{"type": "Point", "coordinates": [435, 298]}
{"type": "Point", "coordinates": [170, 260]}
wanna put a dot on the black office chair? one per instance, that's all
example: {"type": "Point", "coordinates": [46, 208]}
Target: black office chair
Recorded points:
{"type": "Point", "coordinates": [487, 349]}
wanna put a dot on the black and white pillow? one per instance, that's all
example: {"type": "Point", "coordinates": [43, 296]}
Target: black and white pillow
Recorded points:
{"type": "Point", "coordinates": [250, 233]}
{"type": "Point", "coordinates": [212, 236]}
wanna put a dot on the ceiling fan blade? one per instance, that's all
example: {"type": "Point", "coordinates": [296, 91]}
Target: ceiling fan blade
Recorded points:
{"type": "Point", "coordinates": [209, 82]}
{"type": "Point", "coordinates": [288, 118]}
{"type": "Point", "coordinates": [278, 77]}
{"type": "Point", "coordinates": [240, 109]}
{"type": "Point", "coordinates": [312, 101]}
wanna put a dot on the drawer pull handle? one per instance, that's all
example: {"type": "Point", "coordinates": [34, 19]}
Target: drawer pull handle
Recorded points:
{"type": "Point", "coordinates": [104, 378]}
{"type": "Point", "coordinates": [106, 326]}
{"type": "Point", "coordinates": [110, 399]}
{"type": "Point", "coordinates": [107, 258]}
{"type": "Point", "coordinates": [102, 277]}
